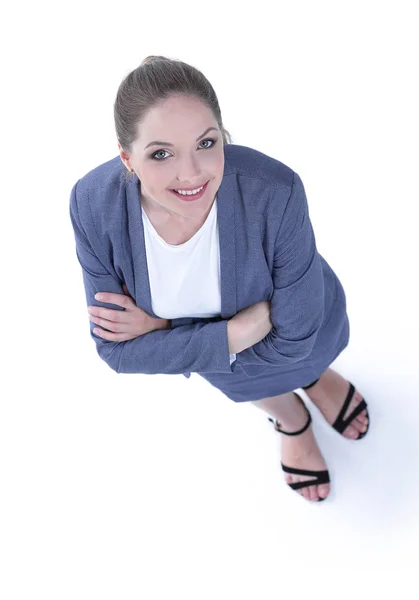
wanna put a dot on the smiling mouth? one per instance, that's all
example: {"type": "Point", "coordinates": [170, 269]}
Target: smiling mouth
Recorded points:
{"type": "Point", "coordinates": [195, 196]}
{"type": "Point", "coordinates": [190, 189]}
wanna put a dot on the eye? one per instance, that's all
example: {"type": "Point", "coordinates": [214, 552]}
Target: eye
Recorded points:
{"type": "Point", "coordinates": [158, 151]}
{"type": "Point", "coordinates": [162, 158]}
{"type": "Point", "coordinates": [208, 140]}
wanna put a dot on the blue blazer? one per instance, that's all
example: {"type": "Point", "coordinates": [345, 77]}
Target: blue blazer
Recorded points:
{"type": "Point", "coordinates": [267, 252]}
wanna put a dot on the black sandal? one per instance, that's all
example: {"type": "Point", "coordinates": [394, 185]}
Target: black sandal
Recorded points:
{"type": "Point", "coordinates": [321, 476]}
{"type": "Point", "coordinates": [340, 423]}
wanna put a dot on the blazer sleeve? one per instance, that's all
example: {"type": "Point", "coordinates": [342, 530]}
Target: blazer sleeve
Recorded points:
{"type": "Point", "coordinates": [187, 348]}
{"type": "Point", "coordinates": [297, 304]}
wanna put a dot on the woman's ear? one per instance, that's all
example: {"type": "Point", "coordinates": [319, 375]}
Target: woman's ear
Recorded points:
{"type": "Point", "coordinates": [124, 157]}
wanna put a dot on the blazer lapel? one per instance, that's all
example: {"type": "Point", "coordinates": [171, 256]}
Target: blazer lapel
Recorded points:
{"type": "Point", "coordinates": [226, 206]}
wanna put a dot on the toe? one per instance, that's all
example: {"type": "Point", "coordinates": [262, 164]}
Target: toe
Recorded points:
{"type": "Point", "coordinates": [295, 479]}
{"type": "Point", "coordinates": [351, 432]}
{"type": "Point", "coordinates": [323, 490]}
{"type": "Point", "coordinates": [360, 422]}
{"type": "Point", "coordinates": [363, 426]}
{"type": "Point", "coordinates": [359, 425]}
{"type": "Point", "coordinates": [363, 417]}
{"type": "Point", "coordinates": [306, 492]}
{"type": "Point", "coordinates": [314, 496]}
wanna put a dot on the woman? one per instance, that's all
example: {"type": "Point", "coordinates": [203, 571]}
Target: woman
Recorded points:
{"type": "Point", "coordinates": [206, 261]}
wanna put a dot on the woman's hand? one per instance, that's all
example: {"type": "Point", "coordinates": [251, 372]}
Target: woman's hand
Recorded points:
{"type": "Point", "coordinates": [123, 324]}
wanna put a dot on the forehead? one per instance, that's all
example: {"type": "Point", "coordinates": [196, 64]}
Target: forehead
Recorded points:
{"type": "Point", "coordinates": [178, 113]}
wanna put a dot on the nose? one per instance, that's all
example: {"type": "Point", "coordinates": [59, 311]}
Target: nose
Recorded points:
{"type": "Point", "coordinates": [188, 172]}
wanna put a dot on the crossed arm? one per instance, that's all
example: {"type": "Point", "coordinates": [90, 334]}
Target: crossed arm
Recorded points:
{"type": "Point", "coordinates": [123, 325]}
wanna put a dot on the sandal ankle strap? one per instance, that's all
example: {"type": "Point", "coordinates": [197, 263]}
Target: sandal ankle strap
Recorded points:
{"type": "Point", "coordinates": [306, 426]}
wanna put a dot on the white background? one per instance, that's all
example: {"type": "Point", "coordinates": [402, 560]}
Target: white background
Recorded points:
{"type": "Point", "coordinates": [155, 486]}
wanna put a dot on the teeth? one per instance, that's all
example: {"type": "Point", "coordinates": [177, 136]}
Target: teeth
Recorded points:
{"type": "Point", "coordinates": [189, 193]}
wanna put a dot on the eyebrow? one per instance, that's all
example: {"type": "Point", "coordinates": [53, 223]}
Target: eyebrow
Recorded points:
{"type": "Point", "coordinates": [157, 143]}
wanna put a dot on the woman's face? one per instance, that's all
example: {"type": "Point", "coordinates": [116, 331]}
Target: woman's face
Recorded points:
{"type": "Point", "coordinates": [189, 154]}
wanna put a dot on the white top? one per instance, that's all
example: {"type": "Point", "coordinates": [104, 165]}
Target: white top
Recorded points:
{"type": "Point", "coordinates": [177, 272]}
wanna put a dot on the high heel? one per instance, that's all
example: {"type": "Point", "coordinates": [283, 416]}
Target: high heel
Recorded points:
{"type": "Point", "coordinates": [322, 477]}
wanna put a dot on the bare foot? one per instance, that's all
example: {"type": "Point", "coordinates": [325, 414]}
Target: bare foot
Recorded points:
{"type": "Point", "coordinates": [302, 452]}
{"type": "Point", "coordinates": [329, 394]}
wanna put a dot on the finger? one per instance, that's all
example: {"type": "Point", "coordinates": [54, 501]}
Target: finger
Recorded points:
{"type": "Point", "coordinates": [115, 327]}
{"type": "Point", "coordinates": [116, 316]}
{"type": "Point", "coordinates": [112, 337]}
{"type": "Point", "coordinates": [111, 298]}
